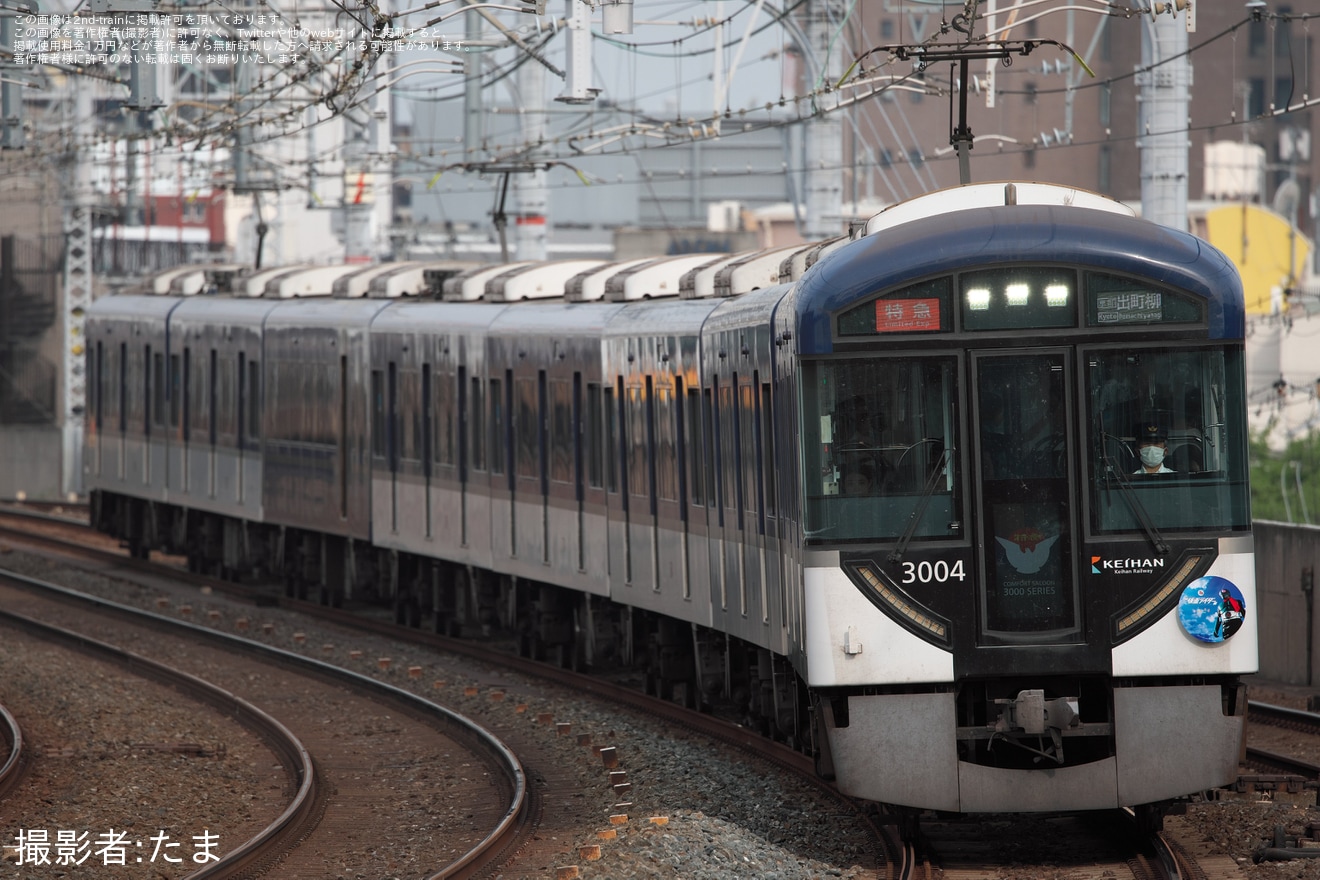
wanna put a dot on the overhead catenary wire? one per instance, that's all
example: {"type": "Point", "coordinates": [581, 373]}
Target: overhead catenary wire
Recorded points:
{"type": "Point", "coordinates": [285, 96]}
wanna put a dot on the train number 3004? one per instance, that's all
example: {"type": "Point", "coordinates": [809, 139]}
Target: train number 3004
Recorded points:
{"type": "Point", "coordinates": [938, 572]}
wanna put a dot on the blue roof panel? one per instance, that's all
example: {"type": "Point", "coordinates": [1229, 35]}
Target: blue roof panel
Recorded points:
{"type": "Point", "coordinates": [1004, 235]}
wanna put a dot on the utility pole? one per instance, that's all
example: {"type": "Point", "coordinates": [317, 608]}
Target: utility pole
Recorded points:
{"type": "Point", "coordinates": [1165, 84]}
{"type": "Point", "coordinates": [359, 186]}
{"type": "Point", "coordinates": [577, 84]}
{"type": "Point", "coordinates": [77, 289]}
{"type": "Point", "coordinates": [472, 115]}
{"type": "Point", "coordinates": [530, 197]}
{"type": "Point", "coordinates": [824, 134]}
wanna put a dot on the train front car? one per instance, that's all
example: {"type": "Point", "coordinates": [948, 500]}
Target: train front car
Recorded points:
{"type": "Point", "coordinates": [1028, 578]}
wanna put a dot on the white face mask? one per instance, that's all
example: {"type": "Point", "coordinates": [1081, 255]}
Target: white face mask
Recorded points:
{"type": "Point", "coordinates": [1152, 456]}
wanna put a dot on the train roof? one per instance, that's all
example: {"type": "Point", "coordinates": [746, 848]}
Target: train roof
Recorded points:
{"type": "Point", "coordinates": [223, 310]}
{"type": "Point", "coordinates": [700, 280]}
{"type": "Point", "coordinates": [536, 280]}
{"type": "Point", "coordinates": [133, 306]}
{"type": "Point", "coordinates": [321, 312]}
{"type": "Point", "coordinates": [1007, 234]}
{"type": "Point", "coordinates": [430, 316]}
{"type": "Point", "coordinates": [590, 285]}
{"type": "Point", "coordinates": [556, 319]}
{"type": "Point", "coordinates": [655, 278]}
{"type": "Point", "coordinates": [356, 284]}
{"type": "Point", "coordinates": [752, 271]}
{"type": "Point", "coordinates": [161, 281]}
{"type": "Point", "coordinates": [470, 285]}
{"type": "Point", "coordinates": [985, 195]}
{"type": "Point", "coordinates": [413, 278]}
{"type": "Point", "coordinates": [307, 281]}
{"type": "Point", "coordinates": [664, 317]}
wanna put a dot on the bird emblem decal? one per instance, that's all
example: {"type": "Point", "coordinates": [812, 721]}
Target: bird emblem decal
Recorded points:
{"type": "Point", "coordinates": [1027, 549]}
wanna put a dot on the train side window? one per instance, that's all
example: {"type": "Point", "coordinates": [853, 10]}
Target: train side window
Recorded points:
{"type": "Point", "coordinates": [378, 413]}
{"type": "Point", "coordinates": [543, 433]}
{"type": "Point", "coordinates": [410, 404]}
{"type": "Point", "coordinates": [449, 414]}
{"type": "Point", "coordinates": [241, 406]}
{"type": "Point", "coordinates": [410, 415]}
{"type": "Point", "coordinates": [620, 412]}
{"type": "Point", "coordinates": [427, 425]}
{"type": "Point", "coordinates": [696, 459]}
{"type": "Point", "coordinates": [254, 400]}
{"type": "Point", "coordinates": [212, 395]}
{"type": "Point", "coordinates": [664, 453]}
{"type": "Point", "coordinates": [750, 451]}
{"type": "Point", "coordinates": [452, 422]}
{"type": "Point", "coordinates": [680, 445]}
{"type": "Point", "coordinates": [392, 416]}
{"type": "Point", "coordinates": [877, 443]}
{"type": "Point", "coordinates": [98, 367]}
{"type": "Point", "coordinates": [147, 391]}
{"type": "Point", "coordinates": [509, 425]}
{"type": "Point", "coordinates": [577, 439]}
{"type": "Point", "coordinates": [159, 390]}
{"type": "Point", "coordinates": [767, 442]}
{"type": "Point", "coordinates": [227, 406]}
{"type": "Point", "coordinates": [637, 440]}
{"type": "Point", "coordinates": [561, 431]}
{"type": "Point", "coordinates": [176, 389]}
{"type": "Point", "coordinates": [343, 437]}
{"type": "Point", "coordinates": [123, 387]}
{"type": "Point", "coordinates": [609, 440]}
{"type": "Point", "coordinates": [478, 425]}
{"type": "Point", "coordinates": [185, 385]}
{"type": "Point", "coordinates": [594, 431]}
{"type": "Point", "coordinates": [527, 430]}
{"type": "Point", "coordinates": [652, 445]}
{"type": "Point", "coordinates": [731, 406]}
{"type": "Point", "coordinates": [710, 446]}
{"type": "Point", "coordinates": [496, 426]}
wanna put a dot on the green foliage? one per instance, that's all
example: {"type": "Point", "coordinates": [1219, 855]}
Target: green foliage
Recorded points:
{"type": "Point", "coordinates": [1275, 477]}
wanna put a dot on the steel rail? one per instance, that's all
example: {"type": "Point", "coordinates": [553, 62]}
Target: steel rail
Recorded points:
{"type": "Point", "coordinates": [459, 726]}
{"type": "Point", "coordinates": [287, 747]}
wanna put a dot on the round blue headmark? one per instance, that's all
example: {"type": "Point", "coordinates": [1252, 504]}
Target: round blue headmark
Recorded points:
{"type": "Point", "coordinates": [1212, 609]}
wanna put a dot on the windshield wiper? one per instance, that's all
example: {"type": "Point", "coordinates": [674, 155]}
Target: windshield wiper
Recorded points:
{"type": "Point", "coordinates": [896, 555]}
{"type": "Point", "coordinates": [1138, 509]}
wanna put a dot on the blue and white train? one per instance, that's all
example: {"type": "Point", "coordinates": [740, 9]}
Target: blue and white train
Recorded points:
{"type": "Point", "coordinates": [884, 494]}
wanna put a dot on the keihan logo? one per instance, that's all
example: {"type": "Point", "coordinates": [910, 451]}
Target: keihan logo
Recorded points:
{"type": "Point", "coordinates": [1100, 565]}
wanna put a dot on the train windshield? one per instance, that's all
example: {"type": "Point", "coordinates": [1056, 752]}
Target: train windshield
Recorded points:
{"type": "Point", "coordinates": [878, 440]}
{"type": "Point", "coordinates": [1166, 438]}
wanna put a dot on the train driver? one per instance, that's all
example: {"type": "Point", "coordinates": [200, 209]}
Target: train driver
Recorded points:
{"type": "Point", "coordinates": [859, 478]}
{"type": "Point", "coordinates": [1152, 446]}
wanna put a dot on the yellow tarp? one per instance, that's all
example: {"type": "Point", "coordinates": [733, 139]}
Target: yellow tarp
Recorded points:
{"type": "Point", "coordinates": [1261, 255]}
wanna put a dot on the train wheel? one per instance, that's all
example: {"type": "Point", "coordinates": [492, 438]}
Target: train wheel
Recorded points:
{"type": "Point", "coordinates": [686, 694]}
{"type": "Point", "coordinates": [908, 821]}
{"type": "Point", "coordinates": [1149, 817]}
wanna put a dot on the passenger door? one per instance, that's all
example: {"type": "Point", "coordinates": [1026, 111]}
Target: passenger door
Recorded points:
{"type": "Point", "coordinates": [1028, 531]}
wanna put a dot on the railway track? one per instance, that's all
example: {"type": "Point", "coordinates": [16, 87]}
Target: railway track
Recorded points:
{"type": "Point", "coordinates": [299, 814]}
{"type": "Point", "coordinates": [354, 768]}
{"type": "Point", "coordinates": [1091, 846]}
{"type": "Point", "coordinates": [882, 837]}
{"type": "Point", "coordinates": [1161, 857]}
{"type": "Point", "coordinates": [16, 758]}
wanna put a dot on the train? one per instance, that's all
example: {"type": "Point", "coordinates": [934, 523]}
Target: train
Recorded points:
{"type": "Point", "coordinates": [888, 497]}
